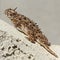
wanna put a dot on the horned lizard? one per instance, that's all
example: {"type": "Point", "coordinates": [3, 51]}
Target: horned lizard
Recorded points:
{"type": "Point", "coordinates": [28, 27]}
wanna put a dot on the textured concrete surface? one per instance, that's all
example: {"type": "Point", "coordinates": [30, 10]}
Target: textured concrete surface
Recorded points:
{"type": "Point", "coordinates": [45, 12]}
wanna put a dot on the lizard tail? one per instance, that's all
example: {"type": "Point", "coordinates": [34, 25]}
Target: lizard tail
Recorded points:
{"type": "Point", "coordinates": [47, 48]}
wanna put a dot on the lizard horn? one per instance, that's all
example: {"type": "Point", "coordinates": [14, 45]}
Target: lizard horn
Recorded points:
{"type": "Point", "coordinates": [15, 8]}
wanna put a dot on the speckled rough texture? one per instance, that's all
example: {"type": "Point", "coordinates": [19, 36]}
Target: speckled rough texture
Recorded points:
{"type": "Point", "coordinates": [14, 46]}
{"type": "Point", "coordinates": [45, 12]}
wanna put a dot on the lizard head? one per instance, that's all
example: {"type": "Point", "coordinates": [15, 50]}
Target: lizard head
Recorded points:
{"type": "Point", "coordinates": [10, 13]}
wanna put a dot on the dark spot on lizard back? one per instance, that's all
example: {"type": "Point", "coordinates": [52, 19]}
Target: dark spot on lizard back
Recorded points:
{"type": "Point", "coordinates": [24, 18]}
{"type": "Point", "coordinates": [14, 13]}
{"type": "Point", "coordinates": [19, 18]}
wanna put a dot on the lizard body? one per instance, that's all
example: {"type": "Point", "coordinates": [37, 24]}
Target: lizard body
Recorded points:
{"type": "Point", "coordinates": [28, 27]}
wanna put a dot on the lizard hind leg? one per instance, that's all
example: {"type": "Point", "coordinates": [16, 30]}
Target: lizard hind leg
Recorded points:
{"type": "Point", "coordinates": [45, 42]}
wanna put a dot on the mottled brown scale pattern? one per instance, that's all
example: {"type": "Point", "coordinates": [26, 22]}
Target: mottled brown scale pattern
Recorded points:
{"type": "Point", "coordinates": [30, 28]}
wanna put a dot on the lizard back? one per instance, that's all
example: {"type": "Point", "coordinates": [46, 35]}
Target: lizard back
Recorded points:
{"type": "Point", "coordinates": [27, 26]}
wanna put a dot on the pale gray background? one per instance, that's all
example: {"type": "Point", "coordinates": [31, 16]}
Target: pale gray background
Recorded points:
{"type": "Point", "coordinates": [45, 12]}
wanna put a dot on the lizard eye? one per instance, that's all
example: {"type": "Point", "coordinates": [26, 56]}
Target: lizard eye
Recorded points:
{"type": "Point", "coordinates": [14, 13]}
